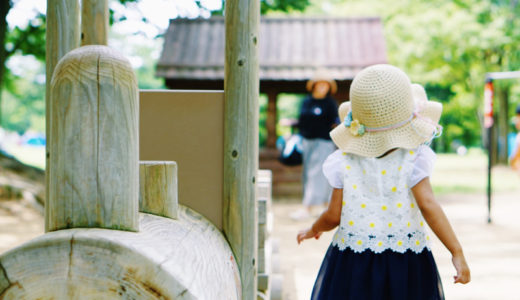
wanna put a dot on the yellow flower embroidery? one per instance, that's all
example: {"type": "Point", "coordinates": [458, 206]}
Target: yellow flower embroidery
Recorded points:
{"type": "Point", "coordinates": [427, 237]}
{"type": "Point", "coordinates": [417, 242]}
{"type": "Point", "coordinates": [364, 172]}
{"type": "Point", "coordinates": [348, 167]}
{"type": "Point", "coordinates": [399, 243]}
{"type": "Point", "coordinates": [408, 224]}
{"type": "Point", "coordinates": [394, 189]}
{"type": "Point", "coordinates": [344, 153]}
{"type": "Point", "coordinates": [399, 204]}
{"type": "Point", "coordinates": [360, 242]}
{"type": "Point", "coordinates": [411, 152]}
{"type": "Point", "coordinates": [343, 203]}
{"type": "Point", "coordinates": [351, 223]}
{"type": "Point", "coordinates": [400, 168]}
{"type": "Point", "coordinates": [390, 224]}
{"type": "Point", "coordinates": [343, 240]}
{"type": "Point", "coordinates": [412, 205]}
{"type": "Point", "coordinates": [363, 205]}
{"type": "Point", "coordinates": [372, 225]}
{"type": "Point", "coordinates": [383, 207]}
{"type": "Point", "coordinates": [354, 186]}
{"type": "Point", "coordinates": [383, 172]}
{"type": "Point", "coordinates": [422, 223]}
{"type": "Point", "coordinates": [380, 244]}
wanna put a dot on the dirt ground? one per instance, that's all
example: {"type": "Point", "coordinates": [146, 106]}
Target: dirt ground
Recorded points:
{"type": "Point", "coordinates": [492, 250]}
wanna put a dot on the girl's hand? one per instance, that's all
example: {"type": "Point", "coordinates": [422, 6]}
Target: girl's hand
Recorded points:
{"type": "Point", "coordinates": [307, 234]}
{"type": "Point", "coordinates": [463, 274]}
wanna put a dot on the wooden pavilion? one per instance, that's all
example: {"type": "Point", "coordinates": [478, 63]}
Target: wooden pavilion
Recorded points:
{"type": "Point", "coordinates": [291, 49]}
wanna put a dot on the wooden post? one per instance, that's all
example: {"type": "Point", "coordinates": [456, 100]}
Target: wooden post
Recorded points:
{"type": "Point", "coordinates": [158, 188]}
{"type": "Point", "coordinates": [271, 119]}
{"type": "Point", "coordinates": [94, 22]}
{"type": "Point", "coordinates": [94, 164]}
{"type": "Point", "coordinates": [61, 37]}
{"type": "Point", "coordinates": [241, 137]}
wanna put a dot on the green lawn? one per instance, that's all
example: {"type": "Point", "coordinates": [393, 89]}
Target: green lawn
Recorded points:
{"type": "Point", "coordinates": [468, 174]}
{"type": "Point", "coordinates": [33, 156]}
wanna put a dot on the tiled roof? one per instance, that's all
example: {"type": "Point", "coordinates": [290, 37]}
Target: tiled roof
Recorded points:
{"type": "Point", "coordinates": [289, 48]}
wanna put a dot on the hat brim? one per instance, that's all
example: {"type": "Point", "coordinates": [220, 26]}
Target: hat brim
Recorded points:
{"type": "Point", "coordinates": [409, 136]}
{"type": "Point", "coordinates": [331, 82]}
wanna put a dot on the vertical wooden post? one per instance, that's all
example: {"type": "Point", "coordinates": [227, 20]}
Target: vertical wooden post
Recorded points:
{"type": "Point", "coordinates": [94, 22]}
{"type": "Point", "coordinates": [158, 188]}
{"type": "Point", "coordinates": [94, 163]}
{"type": "Point", "coordinates": [270, 123]}
{"type": "Point", "coordinates": [241, 137]}
{"type": "Point", "coordinates": [62, 36]}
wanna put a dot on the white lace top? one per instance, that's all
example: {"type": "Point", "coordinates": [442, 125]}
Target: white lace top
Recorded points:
{"type": "Point", "coordinates": [379, 211]}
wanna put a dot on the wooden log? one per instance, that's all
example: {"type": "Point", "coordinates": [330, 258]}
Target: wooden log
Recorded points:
{"type": "Point", "coordinates": [94, 170]}
{"type": "Point", "coordinates": [158, 188]}
{"type": "Point", "coordinates": [187, 258]}
{"type": "Point", "coordinates": [241, 87]}
{"type": "Point", "coordinates": [94, 22]}
{"type": "Point", "coordinates": [62, 36]}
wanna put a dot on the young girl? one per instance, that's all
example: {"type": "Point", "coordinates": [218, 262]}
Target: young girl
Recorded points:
{"type": "Point", "coordinates": [382, 195]}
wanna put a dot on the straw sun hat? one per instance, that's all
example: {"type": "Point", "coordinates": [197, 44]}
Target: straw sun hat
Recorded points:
{"type": "Point", "coordinates": [385, 111]}
{"type": "Point", "coordinates": [322, 75]}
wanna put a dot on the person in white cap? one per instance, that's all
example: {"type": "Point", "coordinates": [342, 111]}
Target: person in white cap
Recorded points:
{"type": "Point", "coordinates": [318, 115]}
{"type": "Point", "coordinates": [382, 197]}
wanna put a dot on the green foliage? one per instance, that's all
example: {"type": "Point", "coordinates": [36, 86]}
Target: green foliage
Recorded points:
{"type": "Point", "coordinates": [283, 5]}
{"type": "Point", "coordinates": [449, 46]}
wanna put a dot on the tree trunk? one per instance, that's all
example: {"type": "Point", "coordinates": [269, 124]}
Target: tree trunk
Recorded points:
{"type": "Point", "coordinates": [4, 9]}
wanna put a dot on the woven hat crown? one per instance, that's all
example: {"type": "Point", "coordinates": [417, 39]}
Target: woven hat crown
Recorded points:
{"type": "Point", "coordinates": [381, 95]}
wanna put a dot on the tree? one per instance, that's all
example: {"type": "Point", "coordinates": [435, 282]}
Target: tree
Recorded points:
{"type": "Point", "coordinates": [447, 45]}
{"type": "Point", "coordinates": [31, 39]}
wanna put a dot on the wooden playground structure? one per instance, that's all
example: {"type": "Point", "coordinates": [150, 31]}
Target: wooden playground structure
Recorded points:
{"type": "Point", "coordinates": [124, 220]}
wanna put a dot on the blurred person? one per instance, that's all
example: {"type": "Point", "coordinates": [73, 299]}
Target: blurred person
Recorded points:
{"type": "Point", "coordinates": [318, 115]}
{"type": "Point", "coordinates": [382, 196]}
{"type": "Point", "coordinates": [515, 155]}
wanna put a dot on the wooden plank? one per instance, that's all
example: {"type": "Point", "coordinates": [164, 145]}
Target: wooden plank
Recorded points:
{"type": "Point", "coordinates": [94, 166]}
{"type": "Point", "coordinates": [94, 22]}
{"type": "Point", "coordinates": [264, 258]}
{"type": "Point", "coordinates": [158, 188]}
{"type": "Point", "coordinates": [263, 282]}
{"type": "Point", "coordinates": [62, 35]}
{"type": "Point", "coordinates": [187, 258]}
{"type": "Point", "coordinates": [241, 87]}
{"type": "Point", "coordinates": [262, 211]}
{"type": "Point", "coordinates": [190, 117]}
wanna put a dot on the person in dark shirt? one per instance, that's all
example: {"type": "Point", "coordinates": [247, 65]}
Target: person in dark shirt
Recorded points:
{"type": "Point", "coordinates": [318, 115]}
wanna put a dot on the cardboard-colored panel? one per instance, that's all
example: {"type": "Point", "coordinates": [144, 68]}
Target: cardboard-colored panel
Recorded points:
{"type": "Point", "coordinates": [187, 127]}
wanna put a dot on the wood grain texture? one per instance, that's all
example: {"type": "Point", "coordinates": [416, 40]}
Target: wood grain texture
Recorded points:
{"type": "Point", "coordinates": [158, 188]}
{"type": "Point", "coordinates": [187, 258]}
{"type": "Point", "coordinates": [94, 22]}
{"type": "Point", "coordinates": [94, 171]}
{"type": "Point", "coordinates": [62, 36]}
{"type": "Point", "coordinates": [241, 87]}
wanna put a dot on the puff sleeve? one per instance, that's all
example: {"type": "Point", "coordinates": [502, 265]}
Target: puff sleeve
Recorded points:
{"type": "Point", "coordinates": [332, 169]}
{"type": "Point", "coordinates": [423, 165]}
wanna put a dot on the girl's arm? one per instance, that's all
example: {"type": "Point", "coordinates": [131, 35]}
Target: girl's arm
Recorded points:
{"type": "Point", "coordinates": [328, 220]}
{"type": "Point", "coordinates": [438, 222]}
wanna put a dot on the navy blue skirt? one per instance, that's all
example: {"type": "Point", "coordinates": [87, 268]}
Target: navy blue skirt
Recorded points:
{"type": "Point", "coordinates": [388, 275]}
